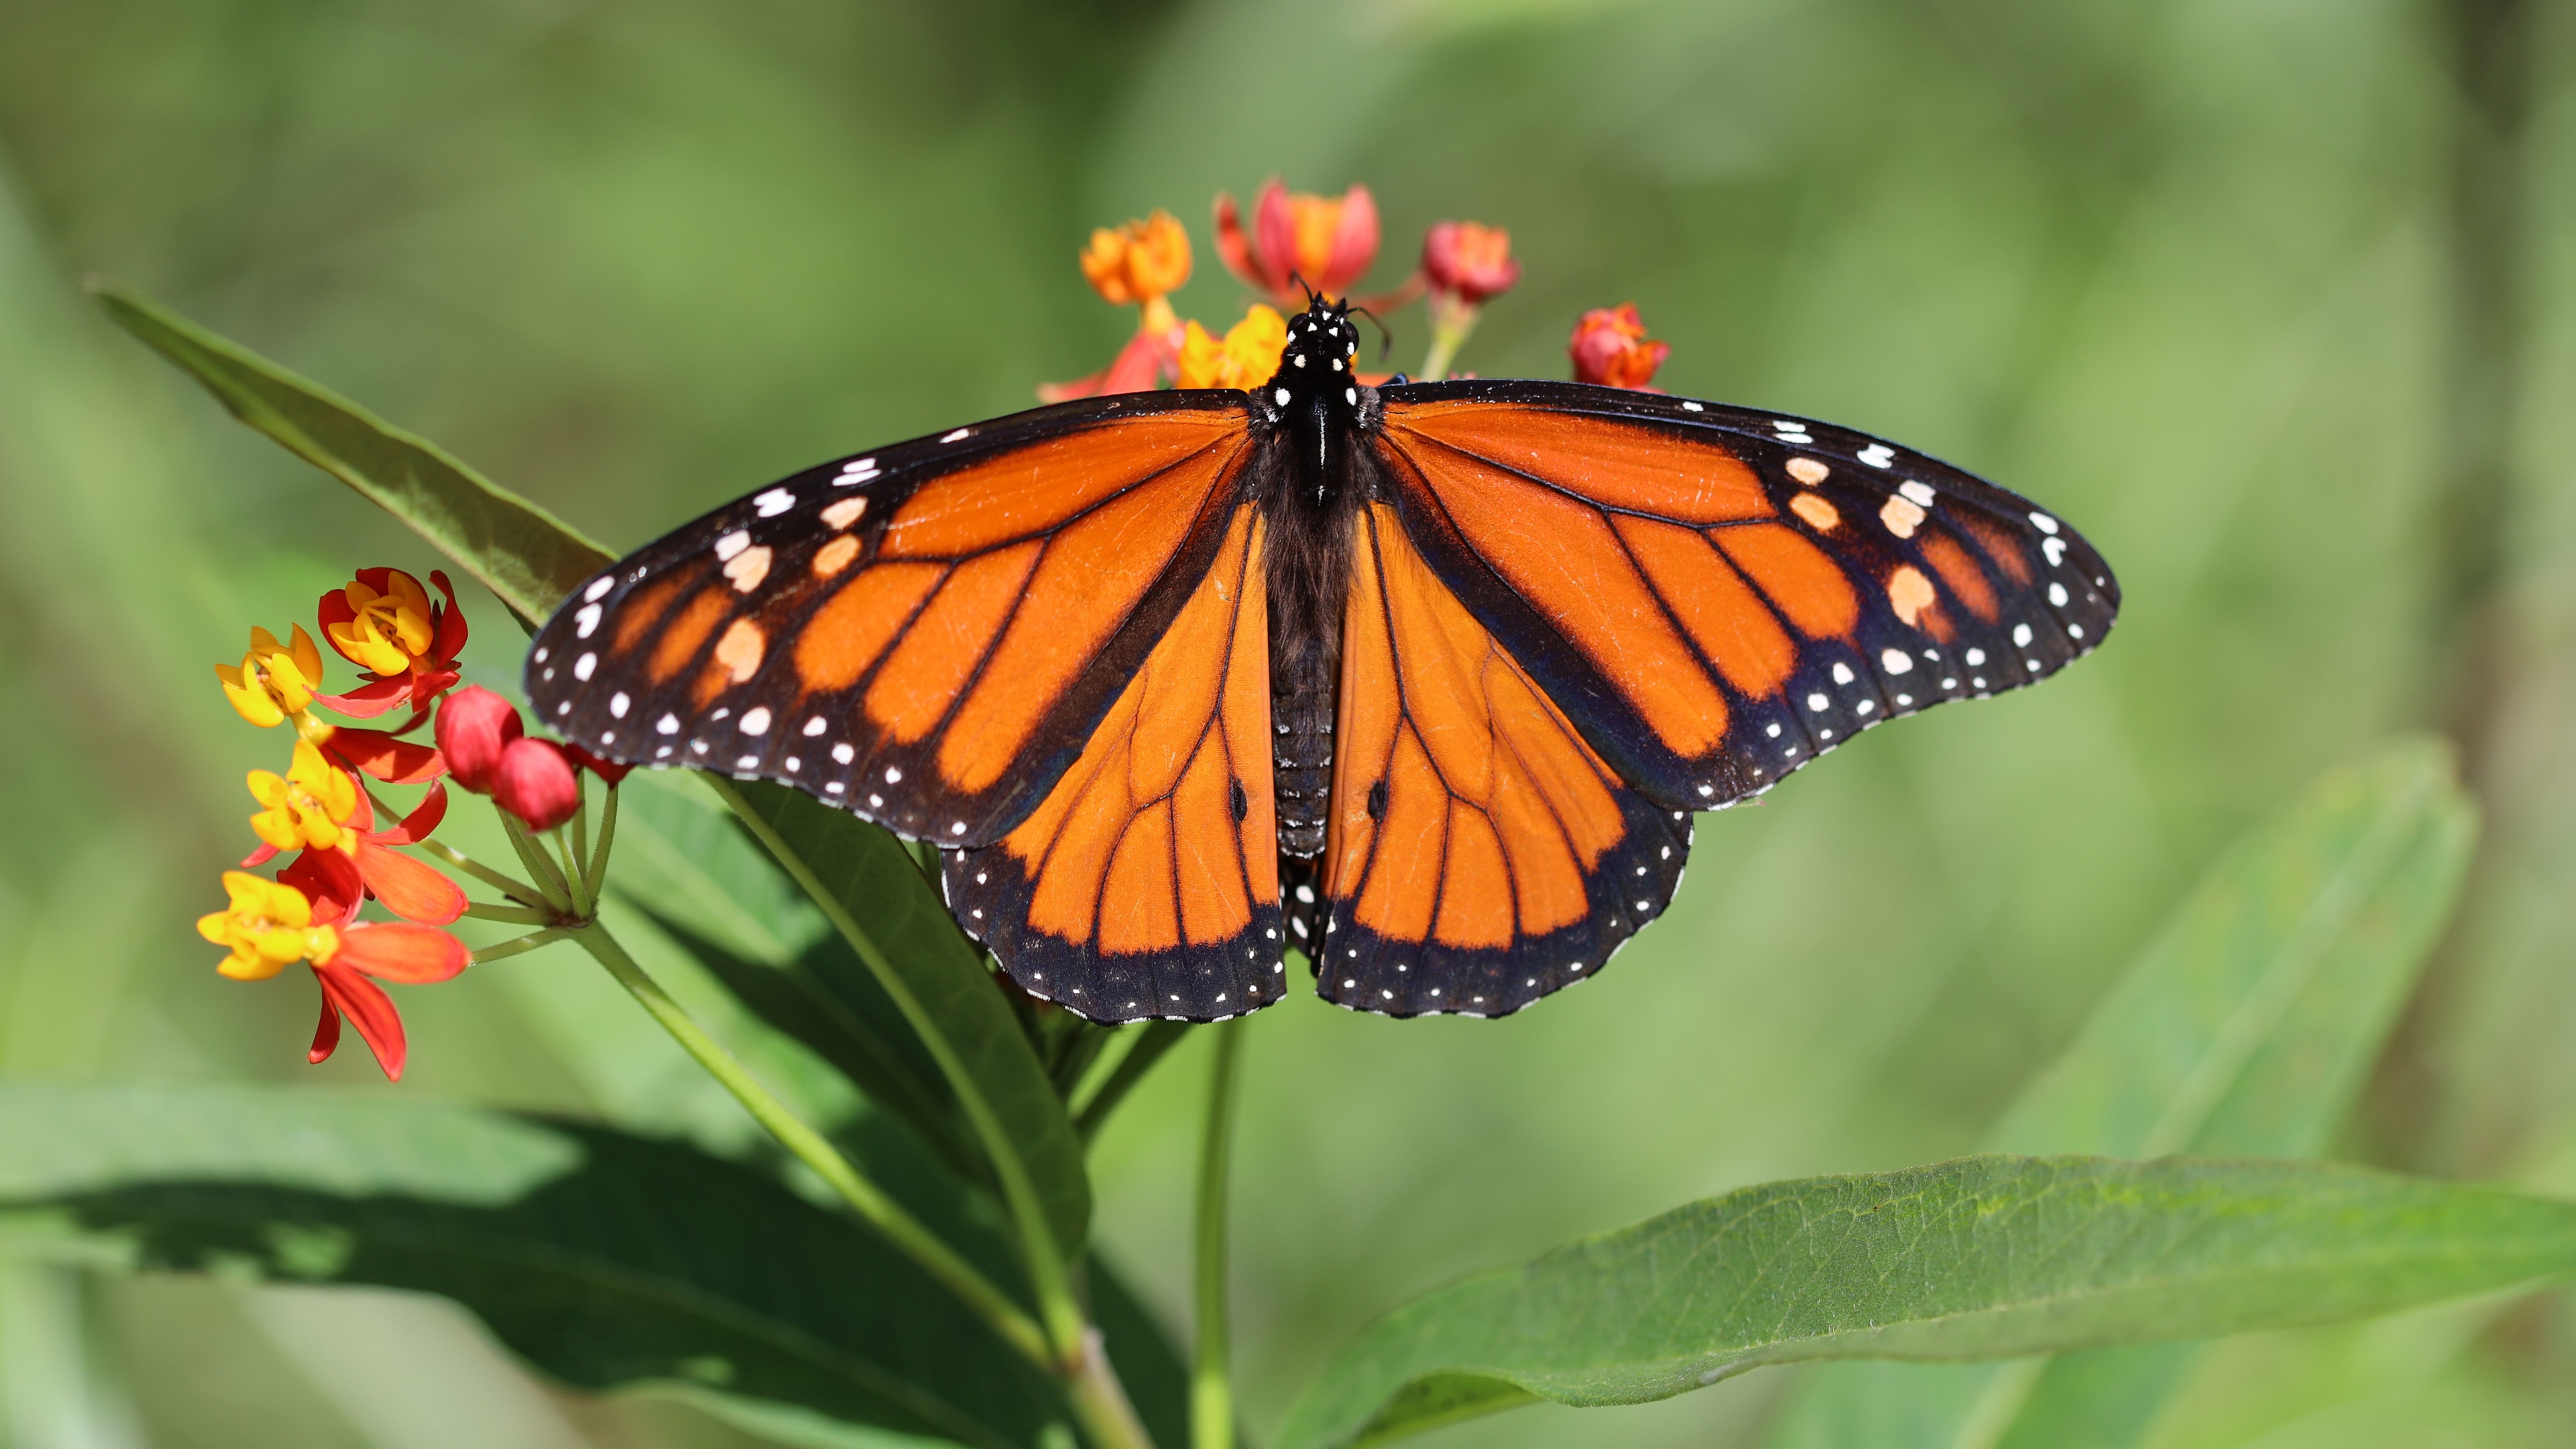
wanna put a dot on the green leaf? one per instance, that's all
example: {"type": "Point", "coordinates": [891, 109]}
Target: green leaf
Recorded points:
{"type": "Point", "coordinates": [1982, 1258]}
{"type": "Point", "coordinates": [523, 554]}
{"type": "Point", "coordinates": [607, 1260]}
{"type": "Point", "coordinates": [2245, 1029]}
{"type": "Point", "coordinates": [682, 855]}
{"type": "Point", "coordinates": [871, 889]}
{"type": "Point", "coordinates": [828, 1000]}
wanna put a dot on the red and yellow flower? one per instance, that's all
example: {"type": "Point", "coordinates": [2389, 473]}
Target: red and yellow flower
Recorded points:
{"type": "Point", "coordinates": [384, 622]}
{"type": "Point", "coordinates": [1610, 347]}
{"type": "Point", "coordinates": [306, 915]}
{"type": "Point", "coordinates": [279, 684]}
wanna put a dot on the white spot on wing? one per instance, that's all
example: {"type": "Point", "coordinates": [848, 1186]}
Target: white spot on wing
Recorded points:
{"type": "Point", "coordinates": [755, 721]}
{"type": "Point", "coordinates": [585, 620]}
{"type": "Point", "coordinates": [732, 543]}
{"type": "Point", "coordinates": [1896, 661]}
{"type": "Point", "coordinates": [774, 502]}
{"type": "Point", "coordinates": [597, 588]}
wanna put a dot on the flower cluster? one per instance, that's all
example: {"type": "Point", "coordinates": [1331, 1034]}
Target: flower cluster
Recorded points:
{"type": "Point", "coordinates": [1300, 245]}
{"type": "Point", "coordinates": [406, 645]}
{"type": "Point", "coordinates": [321, 809]}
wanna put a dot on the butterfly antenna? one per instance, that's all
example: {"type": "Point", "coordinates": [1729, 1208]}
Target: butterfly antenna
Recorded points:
{"type": "Point", "coordinates": [1385, 338]}
{"type": "Point", "coordinates": [1311, 295]}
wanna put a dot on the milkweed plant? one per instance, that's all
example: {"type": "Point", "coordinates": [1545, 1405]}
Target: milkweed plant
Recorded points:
{"type": "Point", "coordinates": [928, 1268]}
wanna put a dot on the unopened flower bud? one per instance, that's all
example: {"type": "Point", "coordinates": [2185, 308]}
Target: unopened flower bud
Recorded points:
{"type": "Point", "coordinates": [474, 727]}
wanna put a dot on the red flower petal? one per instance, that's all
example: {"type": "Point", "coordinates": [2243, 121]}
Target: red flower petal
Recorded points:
{"type": "Point", "coordinates": [369, 700]}
{"type": "Point", "coordinates": [609, 771]}
{"type": "Point", "coordinates": [331, 881]}
{"type": "Point", "coordinates": [394, 761]}
{"type": "Point", "coordinates": [399, 951]}
{"type": "Point", "coordinates": [1354, 242]}
{"type": "Point", "coordinates": [1232, 246]}
{"type": "Point", "coordinates": [424, 818]}
{"type": "Point", "coordinates": [1274, 228]}
{"type": "Point", "coordinates": [449, 641]}
{"type": "Point", "coordinates": [326, 1033]}
{"type": "Point", "coordinates": [368, 1009]}
{"type": "Point", "coordinates": [411, 889]}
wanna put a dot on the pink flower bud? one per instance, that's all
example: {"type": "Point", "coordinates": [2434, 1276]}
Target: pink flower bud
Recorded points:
{"type": "Point", "coordinates": [474, 727]}
{"type": "Point", "coordinates": [1469, 260]}
{"type": "Point", "coordinates": [535, 782]}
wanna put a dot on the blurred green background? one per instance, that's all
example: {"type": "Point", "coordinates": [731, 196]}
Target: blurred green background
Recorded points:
{"type": "Point", "coordinates": [2271, 297]}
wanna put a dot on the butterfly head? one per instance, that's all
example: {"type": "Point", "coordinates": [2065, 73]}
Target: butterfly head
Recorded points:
{"type": "Point", "coordinates": [1323, 347]}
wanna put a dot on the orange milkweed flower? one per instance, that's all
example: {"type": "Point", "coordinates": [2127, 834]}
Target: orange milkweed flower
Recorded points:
{"type": "Point", "coordinates": [384, 622]}
{"type": "Point", "coordinates": [1246, 357]}
{"type": "Point", "coordinates": [305, 915]}
{"type": "Point", "coordinates": [1138, 262]}
{"type": "Point", "coordinates": [1610, 346]}
{"type": "Point", "coordinates": [1327, 242]}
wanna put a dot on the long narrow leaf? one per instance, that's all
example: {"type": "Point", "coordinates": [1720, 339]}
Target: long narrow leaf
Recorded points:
{"type": "Point", "coordinates": [1982, 1258]}
{"type": "Point", "coordinates": [871, 888]}
{"type": "Point", "coordinates": [519, 551]}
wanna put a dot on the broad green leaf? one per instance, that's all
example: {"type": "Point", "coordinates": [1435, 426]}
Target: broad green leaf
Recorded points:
{"type": "Point", "coordinates": [2245, 1029]}
{"type": "Point", "coordinates": [871, 889]}
{"type": "Point", "coordinates": [529, 559]}
{"type": "Point", "coordinates": [830, 1001]}
{"type": "Point", "coordinates": [683, 856]}
{"type": "Point", "coordinates": [607, 1260]}
{"type": "Point", "coordinates": [523, 554]}
{"type": "Point", "coordinates": [1981, 1258]}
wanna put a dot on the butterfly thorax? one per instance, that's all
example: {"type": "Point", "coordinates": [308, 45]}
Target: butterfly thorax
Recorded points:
{"type": "Point", "coordinates": [1309, 499]}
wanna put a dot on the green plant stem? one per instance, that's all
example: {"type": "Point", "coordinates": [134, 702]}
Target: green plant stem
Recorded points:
{"type": "Point", "coordinates": [577, 849]}
{"type": "Point", "coordinates": [519, 945]}
{"type": "Point", "coordinates": [576, 877]}
{"type": "Point", "coordinates": [516, 915]}
{"type": "Point", "coordinates": [811, 1148]}
{"type": "Point", "coordinates": [1211, 1386]}
{"type": "Point", "coordinates": [596, 872]}
{"type": "Point", "coordinates": [1101, 1401]}
{"type": "Point", "coordinates": [508, 885]}
{"type": "Point", "coordinates": [558, 892]}
{"type": "Point", "coordinates": [1451, 321]}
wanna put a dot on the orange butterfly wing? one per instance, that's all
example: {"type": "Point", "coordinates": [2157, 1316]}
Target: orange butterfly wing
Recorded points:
{"type": "Point", "coordinates": [1147, 883]}
{"type": "Point", "coordinates": [1715, 597]}
{"type": "Point", "coordinates": [1480, 854]}
{"type": "Point", "coordinates": [925, 635]}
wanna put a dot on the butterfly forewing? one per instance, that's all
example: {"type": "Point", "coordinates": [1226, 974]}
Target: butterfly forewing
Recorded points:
{"type": "Point", "coordinates": [1715, 596]}
{"type": "Point", "coordinates": [926, 634]}
{"type": "Point", "coordinates": [1147, 884]}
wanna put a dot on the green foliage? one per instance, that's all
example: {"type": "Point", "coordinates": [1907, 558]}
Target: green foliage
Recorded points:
{"type": "Point", "coordinates": [608, 1260]}
{"type": "Point", "coordinates": [2243, 1030]}
{"type": "Point", "coordinates": [1985, 1257]}
{"type": "Point", "coordinates": [520, 552]}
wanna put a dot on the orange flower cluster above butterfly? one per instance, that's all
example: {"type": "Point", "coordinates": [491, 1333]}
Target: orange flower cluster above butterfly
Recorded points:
{"type": "Point", "coordinates": [1299, 243]}
{"type": "Point", "coordinates": [406, 646]}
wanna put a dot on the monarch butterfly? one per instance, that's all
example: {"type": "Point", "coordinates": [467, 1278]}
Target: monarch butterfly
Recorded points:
{"type": "Point", "coordinates": [1424, 679]}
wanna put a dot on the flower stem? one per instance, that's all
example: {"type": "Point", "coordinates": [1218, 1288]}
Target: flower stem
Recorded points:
{"type": "Point", "coordinates": [1101, 1400]}
{"type": "Point", "coordinates": [508, 885]}
{"type": "Point", "coordinates": [596, 872]}
{"type": "Point", "coordinates": [1211, 1387]}
{"type": "Point", "coordinates": [520, 944]}
{"type": "Point", "coordinates": [810, 1147]}
{"type": "Point", "coordinates": [1451, 321]}
{"type": "Point", "coordinates": [533, 856]}
{"type": "Point", "coordinates": [517, 915]}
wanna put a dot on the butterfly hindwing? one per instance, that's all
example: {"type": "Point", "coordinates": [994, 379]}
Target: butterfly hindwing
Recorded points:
{"type": "Point", "coordinates": [924, 635]}
{"type": "Point", "coordinates": [1146, 884]}
{"type": "Point", "coordinates": [1480, 854]}
{"type": "Point", "coordinates": [1717, 596]}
